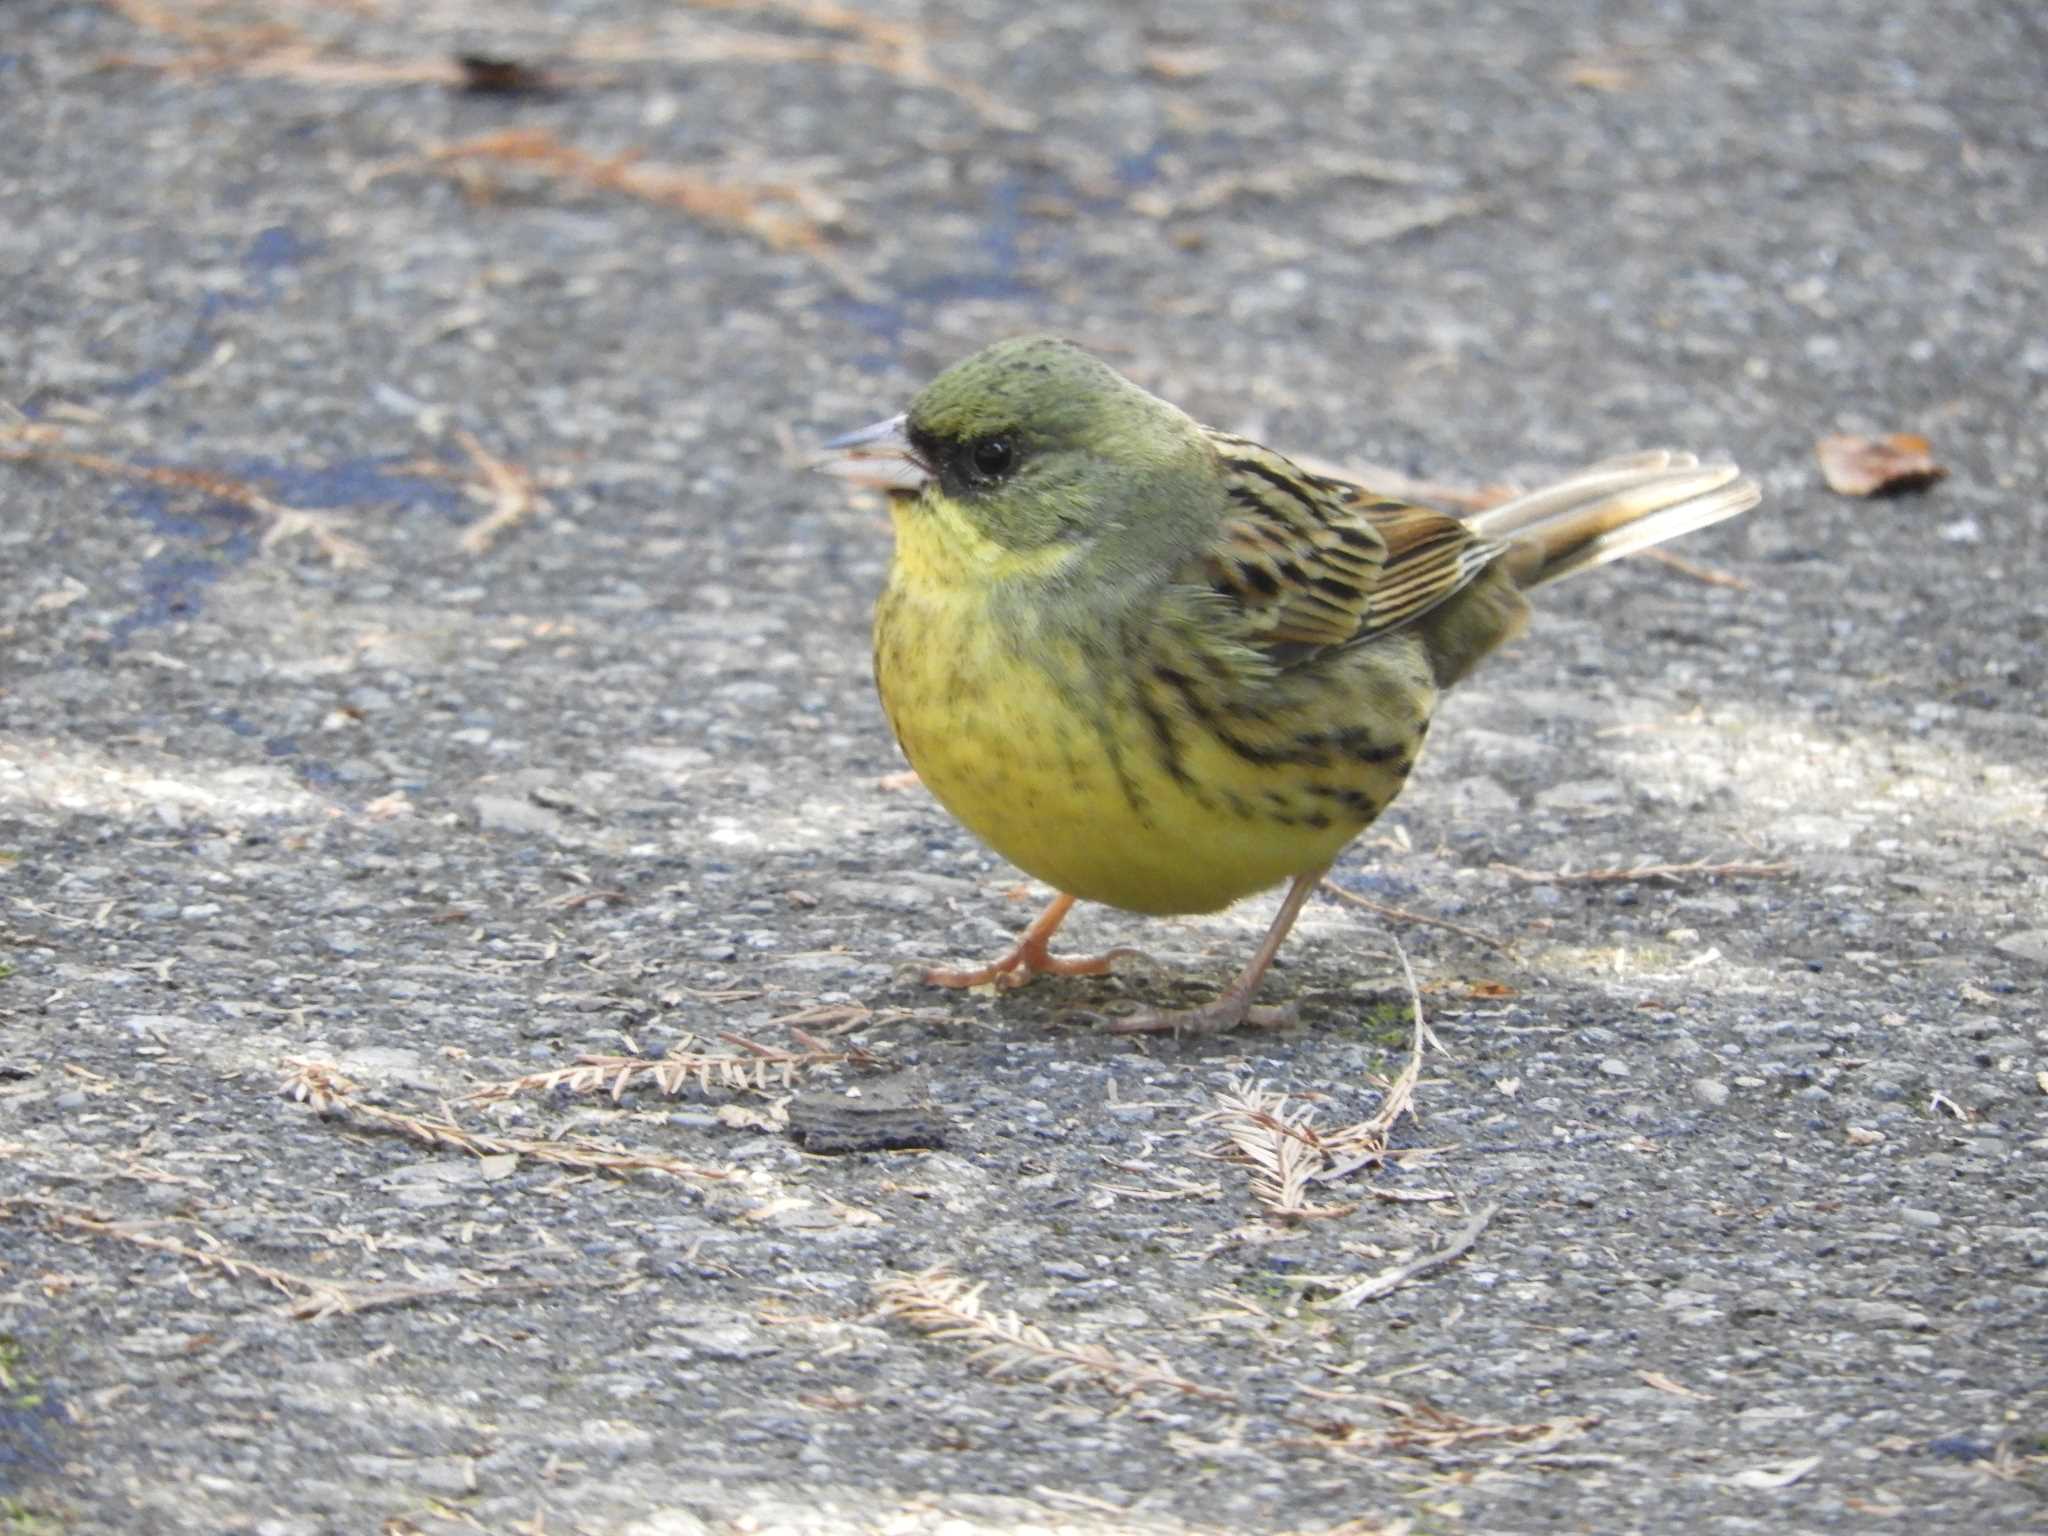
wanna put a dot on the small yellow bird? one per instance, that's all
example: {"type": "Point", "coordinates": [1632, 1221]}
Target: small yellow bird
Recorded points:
{"type": "Point", "coordinates": [1161, 667]}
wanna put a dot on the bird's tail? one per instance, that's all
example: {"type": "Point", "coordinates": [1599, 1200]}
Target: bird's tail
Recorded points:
{"type": "Point", "coordinates": [1613, 509]}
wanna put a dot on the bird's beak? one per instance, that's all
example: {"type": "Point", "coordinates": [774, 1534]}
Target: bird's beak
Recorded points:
{"type": "Point", "coordinates": [879, 456]}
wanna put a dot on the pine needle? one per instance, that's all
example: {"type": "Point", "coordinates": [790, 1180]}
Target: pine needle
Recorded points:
{"type": "Point", "coordinates": [946, 1306]}
{"type": "Point", "coordinates": [754, 1068]}
{"type": "Point", "coordinates": [319, 1085]}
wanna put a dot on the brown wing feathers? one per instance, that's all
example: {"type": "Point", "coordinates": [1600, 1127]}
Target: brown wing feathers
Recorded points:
{"type": "Point", "coordinates": [1316, 561]}
{"type": "Point", "coordinates": [1313, 560]}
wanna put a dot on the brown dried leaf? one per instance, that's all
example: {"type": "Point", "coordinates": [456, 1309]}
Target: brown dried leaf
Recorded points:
{"type": "Point", "coordinates": [1877, 466]}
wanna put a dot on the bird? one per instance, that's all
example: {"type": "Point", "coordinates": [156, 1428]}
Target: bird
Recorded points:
{"type": "Point", "coordinates": [1162, 667]}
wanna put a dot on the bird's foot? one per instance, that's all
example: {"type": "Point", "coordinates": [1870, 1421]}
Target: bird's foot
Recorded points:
{"type": "Point", "coordinates": [1228, 1012]}
{"type": "Point", "coordinates": [1025, 963]}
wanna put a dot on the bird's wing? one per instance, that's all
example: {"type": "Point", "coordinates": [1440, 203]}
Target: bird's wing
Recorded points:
{"type": "Point", "coordinates": [1311, 561]}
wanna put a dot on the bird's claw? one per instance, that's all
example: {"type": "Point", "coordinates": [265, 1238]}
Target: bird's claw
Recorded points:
{"type": "Point", "coordinates": [1025, 964]}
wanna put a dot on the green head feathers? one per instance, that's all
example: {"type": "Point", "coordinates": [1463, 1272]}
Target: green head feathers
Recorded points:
{"type": "Point", "coordinates": [1039, 442]}
{"type": "Point", "coordinates": [1037, 384]}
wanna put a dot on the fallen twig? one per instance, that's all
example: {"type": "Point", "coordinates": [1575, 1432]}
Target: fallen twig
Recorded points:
{"type": "Point", "coordinates": [1711, 575]}
{"type": "Point", "coordinates": [1392, 1279]}
{"type": "Point", "coordinates": [276, 51]}
{"type": "Point", "coordinates": [169, 21]}
{"type": "Point", "coordinates": [510, 491]}
{"type": "Point", "coordinates": [1665, 1383]}
{"type": "Point", "coordinates": [313, 1298]}
{"type": "Point", "coordinates": [285, 522]}
{"type": "Point", "coordinates": [1424, 1428]}
{"type": "Point", "coordinates": [866, 42]}
{"type": "Point", "coordinates": [1367, 1140]}
{"type": "Point", "coordinates": [731, 204]}
{"type": "Point", "coordinates": [1673, 872]}
{"type": "Point", "coordinates": [1182, 1189]}
{"type": "Point", "coordinates": [1403, 915]}
{"type": "Point", "coordinates": [1302, 173]}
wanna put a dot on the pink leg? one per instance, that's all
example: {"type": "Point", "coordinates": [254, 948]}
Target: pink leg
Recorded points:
{"type": "Point", "coordinates": [1234, 1007]}
{"type": "Point", "coordinates": [1029, 958]}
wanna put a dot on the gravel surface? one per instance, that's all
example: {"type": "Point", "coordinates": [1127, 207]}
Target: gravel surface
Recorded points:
{"type": "Point", "coordinates": [329, 846]}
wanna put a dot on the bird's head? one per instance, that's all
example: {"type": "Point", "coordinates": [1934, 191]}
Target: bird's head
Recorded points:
{"type": "Point", "coordinates": [1033, 443]}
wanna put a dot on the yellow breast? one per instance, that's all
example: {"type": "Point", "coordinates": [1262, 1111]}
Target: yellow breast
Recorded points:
{"type": "Point", "coordinates": [1074, 764]}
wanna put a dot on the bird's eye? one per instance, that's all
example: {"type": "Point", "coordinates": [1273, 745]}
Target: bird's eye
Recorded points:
{"type": "Point", "coordinates": [993, 456]}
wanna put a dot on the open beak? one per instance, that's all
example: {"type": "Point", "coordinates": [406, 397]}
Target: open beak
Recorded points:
{"type": "Point", "coordinates": [879, 456]}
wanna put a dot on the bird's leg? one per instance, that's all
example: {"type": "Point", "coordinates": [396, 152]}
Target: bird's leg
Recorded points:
{"type": "Point", "coordinates": [1028, 958]}
{"type": "Point", "coordinates": [1234, 1007]}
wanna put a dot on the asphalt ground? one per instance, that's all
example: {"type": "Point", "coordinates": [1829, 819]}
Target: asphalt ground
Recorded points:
{"type": "Point", "coordinates": [328, 842]}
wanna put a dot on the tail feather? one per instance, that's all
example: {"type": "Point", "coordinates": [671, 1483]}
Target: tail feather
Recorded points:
{"type": "Point", "coordinates": [1610, 510]}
